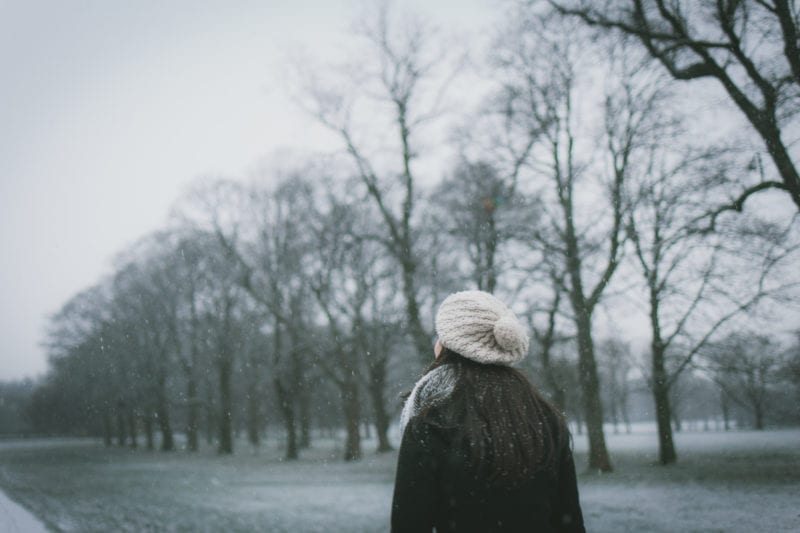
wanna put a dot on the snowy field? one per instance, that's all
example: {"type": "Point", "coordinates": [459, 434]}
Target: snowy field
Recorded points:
{"type": "Point", "coordinates": [735, 481]}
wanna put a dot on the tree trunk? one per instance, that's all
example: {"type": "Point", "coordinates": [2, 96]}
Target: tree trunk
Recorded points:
{"type": "Point", "coordinates": [352, 414]}
{"type": "Point", "coordinates": [286, 407]}
{"type": "Point", "coordinates": [587, 364]}
{"type": "Point", "coordinates": [666, 445]}
{"type": "Point", "coordinates": [211, 425]}
{"type": "Point", "coordinates": [491, 251]}
{"type": "Point", "coordinates": [148, 431]}
{"type": "Point", "coordinates": [758, 412]}
{"type": "Point", "coordinates": [193, 416]}
{"type": "Point", "coordinates": [162, 413]}
{"type": "Point", "coordinates": [253, 413]}
{"type": "Point", "coordinates": [590, 386]}
{"type": "Point", "coordinates": [421, 339]}
{"type": "Point", "coordinates": [132, 428]}
{"type": "Point", "coordinates": [726, 412]}
{"type": "Point", "coordinates": [547, 342]}
{"type": "Point", "coordinates": [780, 155]}
{"type": "Point", "coordinates": [305, 416]}
{"type": "Point", "coordinates": [224, 366]}
{"type": "Point", "coordinates": [377, 384]}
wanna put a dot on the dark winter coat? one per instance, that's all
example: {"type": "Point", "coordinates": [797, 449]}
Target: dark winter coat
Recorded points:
{"type": "Point", "coordinates": [436, 489]}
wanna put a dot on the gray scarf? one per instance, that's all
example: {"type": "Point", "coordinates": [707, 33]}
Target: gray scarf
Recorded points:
{"type": "Point", "coordinates": [431, 389]}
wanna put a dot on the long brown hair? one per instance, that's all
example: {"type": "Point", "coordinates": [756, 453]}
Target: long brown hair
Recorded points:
{"type": "Point", "coordinates": [504, 426]}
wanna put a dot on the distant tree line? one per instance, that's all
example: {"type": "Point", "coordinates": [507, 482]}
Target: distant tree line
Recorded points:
{"type": "Point", "coordinates": [583, 188]}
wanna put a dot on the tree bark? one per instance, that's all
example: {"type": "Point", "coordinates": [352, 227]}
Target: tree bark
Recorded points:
{"type": "Point", "coordinates": [253, 413]}
{"type": "Point", "coordinates": [148, 431]}
{"type": "Point", "coordinates": [224, 367]}
{"type": "Point", "coordinates": [780, 156]}
{"type": "Point", "coordinates": [546, 343]}
{"type": "Point", "coordinates": [583, 307]}
{"type": "Point", "coordinates": [352, 414]}
{"type": "Point", "coordinates": [420, 337]}
{"type": "Point", "coordinates": [162, 413]}
{"type": "Point", "coordinates": [132, 428]}
{"type": "Point", "coordinates": [377, 386]}
{"type": "Point", "coordinates": [167, 441]}
{"type": "Point", "coordinates": [666, 445]}
{"type": "Point", "coordinates": [590, 385]}
{"type": "Point", "coordinates": [725, 408]}
{"type": "Point", "coordinates": [304, 399]}
{"type": "Point", "coordinates": [286, 407]}
{"type": "Point", "coordinates": [758, 413]}
{"type": "Point", "coordinates": [193, 418]}
{"type": "Point", "coordinates": [210, 418]}
{"type": "Point", "coordinates": [491, 251]}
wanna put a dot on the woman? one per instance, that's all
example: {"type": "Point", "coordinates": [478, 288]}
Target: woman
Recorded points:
{"type": "Point", "coordinates": [482, 450]}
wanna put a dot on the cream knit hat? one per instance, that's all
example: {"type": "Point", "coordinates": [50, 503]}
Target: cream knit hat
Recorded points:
{"type": "Point", "coordinates": [480, 327]}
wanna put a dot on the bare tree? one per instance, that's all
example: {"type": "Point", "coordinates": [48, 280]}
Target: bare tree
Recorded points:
{"type": "Point", "coordinates": [392, 86]}
{"type": "Point", "coordinates": [188, 275]}
{"type": "Point", "coordinates": [548, 81]}
{"type": "Point", "coordinates": [378, 338]}
{"type": "Point", "coordinates": [547, 338]}
{"type": "Point", "coordinates": [78, 339]}
{"type": "Point", "coordinates": [224, 314]}
{"type": "Point", "coordinates": [750, 48]}
{"type": "Point", "coordinates": [261, 231]}
{"type": "Point", "coordinates": [334, 280]}
{"type": "Point", "coordinates": [745, 367]}
{"type": "Point", "coordinates": [690, 277]}
{"type": "Point", "coordinates": [483, 212]}
{"type": "Point", "coordinates": [140, 303]}
{"type": "Point", "coordinates": [617, 363]}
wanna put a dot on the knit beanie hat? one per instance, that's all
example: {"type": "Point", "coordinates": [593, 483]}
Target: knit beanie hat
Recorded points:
{"type": "Point", "coordinates": [478, 326]}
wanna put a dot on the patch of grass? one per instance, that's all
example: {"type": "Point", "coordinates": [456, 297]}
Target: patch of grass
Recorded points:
{"type": "Point", "coordinates": [742, 481]}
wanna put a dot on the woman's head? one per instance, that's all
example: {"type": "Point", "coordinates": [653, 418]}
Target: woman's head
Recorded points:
{"type": "Point", "coordinates": [505, 428]}
{"type": "Point", "coordinates": [478, 326]}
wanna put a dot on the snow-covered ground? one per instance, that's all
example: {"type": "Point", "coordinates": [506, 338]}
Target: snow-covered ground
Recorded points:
{"type": "Point", "coordinates": [734, 481]}
{"type": "Point", "coordinates": [16, 519]}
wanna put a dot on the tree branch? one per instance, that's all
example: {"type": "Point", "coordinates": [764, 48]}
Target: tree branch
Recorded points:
{"type": "Point", "coordinates": [736, 205]}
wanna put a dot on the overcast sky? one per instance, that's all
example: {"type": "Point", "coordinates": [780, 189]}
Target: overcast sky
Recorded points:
{"type": "Point", "coordinates": [108, 109]}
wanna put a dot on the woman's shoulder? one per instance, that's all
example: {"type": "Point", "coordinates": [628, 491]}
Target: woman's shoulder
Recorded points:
{"type": "Point", "coordinates": [427, 432]}
{"type": "Point", "coordinates": [428, 392]}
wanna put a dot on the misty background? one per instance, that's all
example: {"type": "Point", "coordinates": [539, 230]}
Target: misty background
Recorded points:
{"type": "Point", "coordinates": [226, 229]}
{"type": "Point", "coordinates": [110, 110]}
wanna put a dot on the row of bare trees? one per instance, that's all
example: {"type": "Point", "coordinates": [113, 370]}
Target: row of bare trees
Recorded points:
{"type": "Point", "coordinates": [580, 191]}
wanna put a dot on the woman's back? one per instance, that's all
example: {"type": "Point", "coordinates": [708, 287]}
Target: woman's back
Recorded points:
{"type": "Point", "coordinates": [455, 477]}
{"type": "Point", "coordinates": [481, 449]}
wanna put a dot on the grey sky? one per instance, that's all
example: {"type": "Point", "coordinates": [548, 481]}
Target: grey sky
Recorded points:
{"type": "Point", "coordinates": [109, 109]}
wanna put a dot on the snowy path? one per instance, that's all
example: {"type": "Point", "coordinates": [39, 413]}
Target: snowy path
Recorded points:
{"type": "Point", "coordinates": [15, 518]}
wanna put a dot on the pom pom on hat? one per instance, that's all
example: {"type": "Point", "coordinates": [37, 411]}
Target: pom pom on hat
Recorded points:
{"type": "Point", "coordinates": [480, 327]}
